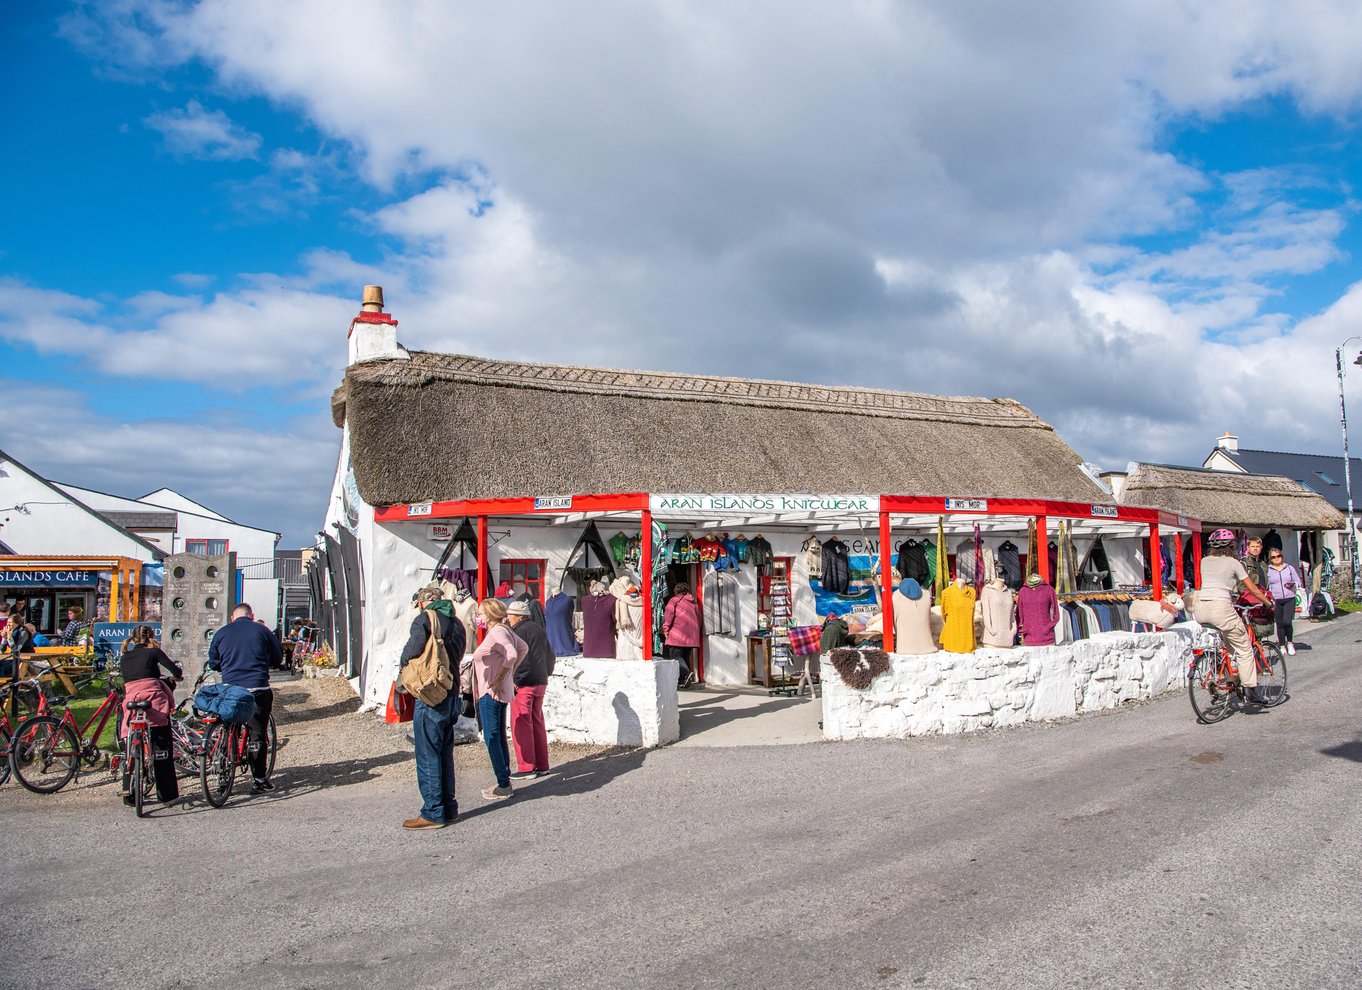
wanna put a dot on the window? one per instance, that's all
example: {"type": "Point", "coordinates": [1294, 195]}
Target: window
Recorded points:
{"type": "Point", "coordinates": [209, 548]}
{"type": "Point", "coordinates": [1327, 480]}
{"type": "Point", "coordinates": [525, 575]}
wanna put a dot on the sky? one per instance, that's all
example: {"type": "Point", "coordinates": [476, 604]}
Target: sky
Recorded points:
{"type": "Point", "coordinates": [1138, 218]}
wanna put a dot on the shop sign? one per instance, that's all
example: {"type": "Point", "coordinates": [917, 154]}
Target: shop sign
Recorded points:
{"type": "Point", "coordinates": [553, 502]}
{"type": "Point", "coordinates": [966, 505]}
{"type": "Point", "coordinates": [1104, 511]}
{"type": "Point", "coordinates": [439, 532]}
{"type": "Point", "coordinates": [1182, 521]}
{"type": "Point", "coordinates": [777, 504]}
{"type": "Point", "coordinates": [31, 577]}
{"type": "Point", "coordinates": [419, 509]}
{"type": "Point", "coordinates": [117, 632]}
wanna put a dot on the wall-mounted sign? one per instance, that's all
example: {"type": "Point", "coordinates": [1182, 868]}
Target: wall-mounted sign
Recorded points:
{"type": "Point", "coordinates": [117, 632]}
{"type": "Point", "coordinates": [439, 532]}
{"type": "Point", "coordinates": [419, 509]}
{"type": "Point", "coordinates": [966, 505]}
{"type": "Point", "coordinates": [1105, 511]}
{"type": "Point", "coordinates": [554, 502]}
{"type": "Point", "coordinates": [1182, 521]}
{"type": "Point", "coordinates": [774, 504]}
{"type": "Point", "coordinates": [34, 578]}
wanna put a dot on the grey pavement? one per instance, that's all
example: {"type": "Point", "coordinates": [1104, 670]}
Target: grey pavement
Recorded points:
{"type": "Point", "coordinates": [1135, 848]}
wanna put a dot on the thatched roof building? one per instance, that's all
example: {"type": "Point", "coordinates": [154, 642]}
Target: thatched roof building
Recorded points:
{"type": "Point", "coordinates": [443, 426]}
{"type": "Point", "coordinates": [1224, 498]}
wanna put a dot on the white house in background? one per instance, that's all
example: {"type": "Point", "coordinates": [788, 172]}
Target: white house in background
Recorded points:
{"type": "Point", "coordinates": [178, 524]}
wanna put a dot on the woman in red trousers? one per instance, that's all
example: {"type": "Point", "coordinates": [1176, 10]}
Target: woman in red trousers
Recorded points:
{"type": "Point", "coordinates": [531, 679]}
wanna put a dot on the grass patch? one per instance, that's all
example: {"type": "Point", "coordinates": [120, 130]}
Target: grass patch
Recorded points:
{"type": "Point", "coordinates": [1348, 606]}
{"type": "Point", "coordinates": [86, 703]}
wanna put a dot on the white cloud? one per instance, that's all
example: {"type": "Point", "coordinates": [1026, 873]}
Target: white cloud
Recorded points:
{"type": "Point", "coordinates": [194, 132]}
{"type": "Point", "coordinates": [249, 474]}
{"type": "Point", "coordinates": [924, 195]}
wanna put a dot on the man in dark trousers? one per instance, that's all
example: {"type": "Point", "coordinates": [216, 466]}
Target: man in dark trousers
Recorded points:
{"type": "Point", "coordinates": [433, 725]}
{"type": "Point", "coordinates": [527, 709]}
{"type": "Point", "coordinates": [244, 651]}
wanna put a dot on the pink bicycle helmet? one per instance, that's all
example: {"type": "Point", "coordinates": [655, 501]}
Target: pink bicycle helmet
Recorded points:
{"type": "Point", "coordinates": [1221, 538]}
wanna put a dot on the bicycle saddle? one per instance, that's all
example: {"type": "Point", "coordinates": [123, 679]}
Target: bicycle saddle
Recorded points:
{"type": "Point", "coordinates": [139, 706]}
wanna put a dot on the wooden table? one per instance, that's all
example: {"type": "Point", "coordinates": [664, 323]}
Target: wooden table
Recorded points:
{"type": "Point", "coordinates": [759, 645]}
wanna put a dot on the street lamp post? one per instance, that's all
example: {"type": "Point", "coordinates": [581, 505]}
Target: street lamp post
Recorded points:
{"type": "Point", "coordinates": [1347, 466]}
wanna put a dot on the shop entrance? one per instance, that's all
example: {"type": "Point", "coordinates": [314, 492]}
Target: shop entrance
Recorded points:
{"type": "Point", "coordinates": [690, 574]}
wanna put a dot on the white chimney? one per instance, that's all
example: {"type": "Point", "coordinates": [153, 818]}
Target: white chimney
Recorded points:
{"type": "Point", "coordinates": [1228, 442]}
{"type": "Point", "coordinates": [373, 333]}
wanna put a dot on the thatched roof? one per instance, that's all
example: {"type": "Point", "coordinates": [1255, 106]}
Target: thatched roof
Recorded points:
{"type": "Point", "coordinates": [442, 426]}
{"type": "Point", "coordinates": [1225, 498]}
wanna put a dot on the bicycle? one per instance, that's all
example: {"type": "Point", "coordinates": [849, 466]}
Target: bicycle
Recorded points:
{"type": "Point", "coordinates": [137, 756]}
{"type": "Point", "coordinates": [186, 730]}
{"type": "Point", "coordinates": [24, 698]}
{"type": "Point", "coordinates": [1213, 680]}
{"type": "Point", "coordinates": [47, 750]}
{"type": "Point", "coordinates": [198, 737]}
{"type": "Point", "coordinates": [225, 754]}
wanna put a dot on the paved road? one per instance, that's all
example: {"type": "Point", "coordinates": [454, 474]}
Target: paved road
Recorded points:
{"type": "Point", "coordinates": [1135, 848]}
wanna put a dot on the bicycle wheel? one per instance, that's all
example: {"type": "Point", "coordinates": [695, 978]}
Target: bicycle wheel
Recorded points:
{"type": "Point", "coordinates": [217, 768]}
{"type": "Point", "coordinates": [1271, 674]}
{"type": "Point", "coordinates": [138, 776]}
{"type": "Point", "coordinates": [274, 744]}
{"type": "Point", "coordinates": [1208, 692]}
{"type": "Point", "coordinates": [4, 755]}
{"type": "Point", "coordinates": [44, 754]}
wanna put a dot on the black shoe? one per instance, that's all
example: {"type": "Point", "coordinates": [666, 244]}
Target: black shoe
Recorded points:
{"type": "Point", "coordinates": [260, 785]}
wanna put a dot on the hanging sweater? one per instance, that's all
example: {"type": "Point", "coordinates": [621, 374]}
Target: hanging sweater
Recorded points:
{"type": "Point", "coordinates": [957, 608]}
{"type": "Point", "coordinates": [558, 624]}
{"type": "Point", "coordinates": [1000, 617]}
{"type": "Point", "coordinates": [466, 611]}
{"type": "Point", "coordinates": [913, 562]}
{"type": "Point", "coordinates": [836, 567]}
{"type": "Point", "coordinates": [1009, 563]}
{"type": "Point", "coordinates": [598, 626]}
{"type": "Point", "coordinates": [1037, 615]}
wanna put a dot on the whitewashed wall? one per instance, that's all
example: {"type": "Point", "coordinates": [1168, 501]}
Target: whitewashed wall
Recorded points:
{"type": "Point", "coordinates": [944, 693]}
{"type": "Point", "coordinates": [613, 702]}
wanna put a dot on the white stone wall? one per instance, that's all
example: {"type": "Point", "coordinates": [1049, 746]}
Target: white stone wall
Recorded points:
{"type": "Point", "coordinates": [613, 702]}
{"type": "Point", "coordinates": [962, 692]}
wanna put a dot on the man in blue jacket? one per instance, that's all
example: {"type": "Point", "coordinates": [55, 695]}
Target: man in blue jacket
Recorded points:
{"type": "Point", "coordinates": [244, 651]}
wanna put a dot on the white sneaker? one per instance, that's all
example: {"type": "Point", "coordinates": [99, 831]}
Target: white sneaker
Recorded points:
{"type": "Point", "coordinates": [1291, 649]}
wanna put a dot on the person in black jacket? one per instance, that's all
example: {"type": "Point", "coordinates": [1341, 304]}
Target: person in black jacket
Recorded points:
{"type": "Point", "coordinates": [243, 652]}
{"type": "Point", "coordinates": [433, 725]}
{"type": "Point", "coordinates": [531, 680]}
{"type": "Point", "coordinates": [140, 666]}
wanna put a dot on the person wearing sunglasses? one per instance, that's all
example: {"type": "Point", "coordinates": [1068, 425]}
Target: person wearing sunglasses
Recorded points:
{"type": "Point", "coordinates": [1282, 582]}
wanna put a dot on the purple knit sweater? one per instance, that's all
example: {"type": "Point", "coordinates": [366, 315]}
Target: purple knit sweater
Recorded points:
{"type": "Point", "coordinates": [1037, 615]}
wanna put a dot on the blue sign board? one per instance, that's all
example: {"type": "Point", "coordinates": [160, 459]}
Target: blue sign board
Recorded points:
{"type": "Point", "coordinates": [32, 577]}
{"type": "Point", "coordinates": [117, 632]}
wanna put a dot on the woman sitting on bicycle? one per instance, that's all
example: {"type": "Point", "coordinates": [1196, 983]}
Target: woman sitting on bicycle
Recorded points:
{"type": "Point", "coordinates": [141, 666]}
{"type": "Point", "coordinates": [1221, 573]}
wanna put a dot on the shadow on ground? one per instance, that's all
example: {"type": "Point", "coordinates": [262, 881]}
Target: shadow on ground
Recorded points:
{"type": "Point", "coordinates": [576, 777]}
{"type": "Point", "coordinates": [1346, 751]}
{"type": "Point", "coordinates": [709, 711]}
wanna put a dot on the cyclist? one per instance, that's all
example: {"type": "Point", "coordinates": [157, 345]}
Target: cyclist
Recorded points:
{"type": "Point", "coordinates": [141, 667]}
{"type": "Point", "coordinates": [1221, 573]}
{"type": "Point", "coordinates": [244, 651]}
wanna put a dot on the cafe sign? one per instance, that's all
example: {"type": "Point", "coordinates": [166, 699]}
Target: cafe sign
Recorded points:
{"type": "Point", "coordinates": [34, 578]}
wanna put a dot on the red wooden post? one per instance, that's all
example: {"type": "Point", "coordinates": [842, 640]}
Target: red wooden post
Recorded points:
{"type": "Point", "coordinates": [886, 584]}
{"type": "Point", "coordinates": [1155, 561]}
{"type": "Point", "coordinates": [1178, 568]}
{"type": "Point", "coordinates": [1196, 560]}
{"type": "Point", "coordinates": [482, 563]}
{"type": "Point", "coordinates": [646, 566]}
{"type": "Point", "coordinates": [1042, 551]}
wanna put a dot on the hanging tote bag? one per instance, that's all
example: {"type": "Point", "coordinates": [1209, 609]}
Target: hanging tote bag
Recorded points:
{"type": "Point", "coordinates": [401, 707]}
{"type": "Point", "coordinates": [428, 677]}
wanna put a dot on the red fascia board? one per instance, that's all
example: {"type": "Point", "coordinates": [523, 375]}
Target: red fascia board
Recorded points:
{"type": "Point", "coordinates": [510, 507]}
{"type": "Point", "coordinates": [936, 505]}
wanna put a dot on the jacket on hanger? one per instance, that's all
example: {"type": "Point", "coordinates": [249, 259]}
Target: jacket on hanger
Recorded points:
{"type": "Point", "coordinates": [1009, 564]}
{"type": "Point", "coordinates": [913, 562]}
{"type": "Point", "coordinates": [836, 567]}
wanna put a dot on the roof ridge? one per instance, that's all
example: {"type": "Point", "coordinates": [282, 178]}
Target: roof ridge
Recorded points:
{"type": "Point", "coordinates": [679, 386]}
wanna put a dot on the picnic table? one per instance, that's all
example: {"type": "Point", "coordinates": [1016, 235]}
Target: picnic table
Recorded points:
{"type": "Point", "coordinates": [65, 663]}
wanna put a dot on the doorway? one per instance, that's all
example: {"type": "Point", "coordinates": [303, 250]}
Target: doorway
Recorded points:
{"type": "Point", "coordinates": [691, 575]}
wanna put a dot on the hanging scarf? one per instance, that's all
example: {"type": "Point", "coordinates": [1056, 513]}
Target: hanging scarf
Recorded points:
{"type": "Point", "coordinates": [1031, 548]}
{"type": "Point", "coordinates": [978, 581]}
{"type": "Point", "coordinates": [943, 568]}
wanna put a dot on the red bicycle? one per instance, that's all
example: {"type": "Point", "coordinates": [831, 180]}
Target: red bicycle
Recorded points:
{"type": "Point", "coordinates": [1213, 680]}
{"type": "Point", "coordinates": [135, 760]}
{"type": "Point", "coordinates": [47, 750]}
{"type": "Point", "coordinates": [24, 698]}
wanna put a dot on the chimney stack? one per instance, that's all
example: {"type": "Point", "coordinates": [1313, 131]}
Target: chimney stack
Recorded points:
{"type": "Point", "coordinates": [373, 333]}
{"type": "Point", "coordinates": [1228, 442]}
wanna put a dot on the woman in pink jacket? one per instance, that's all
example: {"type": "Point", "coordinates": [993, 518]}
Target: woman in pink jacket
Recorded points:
{"type": "Point", "coordinates": [681, 625]}
{"type": "Point", "coordinates": [494, 661]}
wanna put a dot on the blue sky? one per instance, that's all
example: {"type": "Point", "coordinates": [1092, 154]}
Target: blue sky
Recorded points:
{"type": "Point", "coordinates": [1131, 219]}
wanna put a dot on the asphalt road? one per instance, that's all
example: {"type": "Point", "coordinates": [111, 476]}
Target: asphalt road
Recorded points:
{"type": "Point", "coordinates": [1135, 848]}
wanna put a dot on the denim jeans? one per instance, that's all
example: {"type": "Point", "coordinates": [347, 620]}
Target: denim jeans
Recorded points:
{"type": "Point", "coordinates": [493, 715]}
{"type": "Point", "coordinates": [433, 729]}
